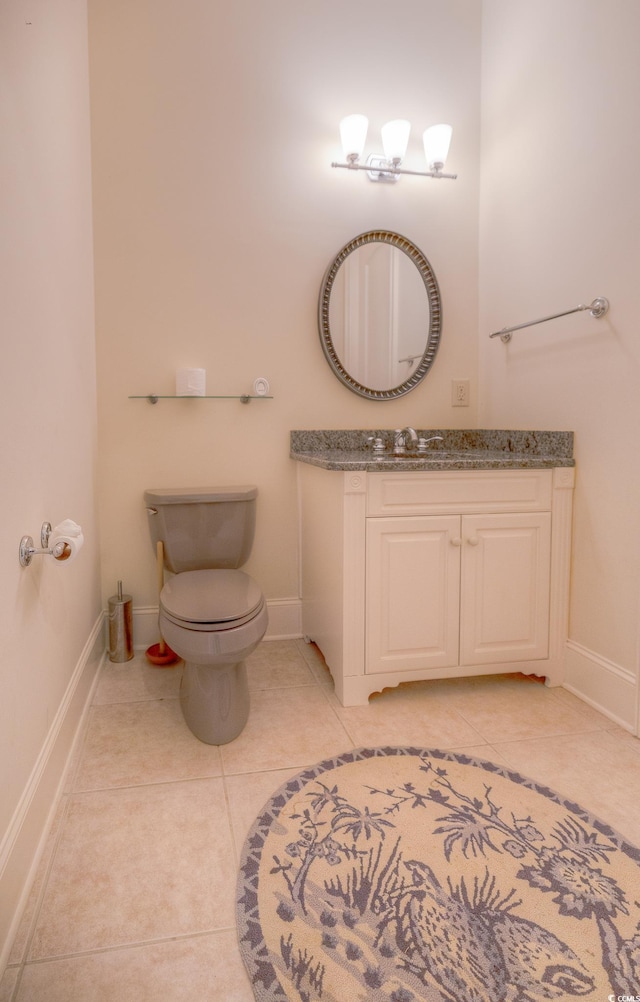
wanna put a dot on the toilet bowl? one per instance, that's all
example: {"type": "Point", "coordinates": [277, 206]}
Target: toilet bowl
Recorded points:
{"type": "Point", "coordinates": [214, 691]}
{"type": "Point", "coordinates": [213, 616]}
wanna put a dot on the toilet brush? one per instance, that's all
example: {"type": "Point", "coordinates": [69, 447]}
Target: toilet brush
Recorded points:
{"type": "Point", "coordinates": [160, 655]}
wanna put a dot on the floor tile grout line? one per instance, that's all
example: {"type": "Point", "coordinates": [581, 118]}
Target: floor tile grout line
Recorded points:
{"type": "Point", "coordinates": [134, 945]}
{"type": "Point", "coordinates": [331, 707]}
{"type": "Point", "coordinates": [135, 700]}
{"type": "Point", "coordinates": [236, 850]}
{"type": "Point", "coordinates": [530, 738]}
{"type": "Point", "coordinates": [519, 737]}
{"type": "Point", "coordinates": [144, 786]}
{"type": "Point", "coordinates": [549, 736]}
{"type": "Point", "coordinates": [584, 709]}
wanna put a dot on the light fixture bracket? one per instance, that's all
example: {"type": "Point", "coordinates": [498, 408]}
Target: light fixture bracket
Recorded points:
{"type": "Point", "coordinates": [379, 169]}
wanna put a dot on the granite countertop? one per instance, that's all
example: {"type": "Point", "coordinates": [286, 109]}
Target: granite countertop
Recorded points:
{"type": "Point", "coordinates": [459, 450]}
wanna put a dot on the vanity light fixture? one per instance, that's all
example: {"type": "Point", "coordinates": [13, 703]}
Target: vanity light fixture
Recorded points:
{"type": "Point", "coordinates": [395, 137]}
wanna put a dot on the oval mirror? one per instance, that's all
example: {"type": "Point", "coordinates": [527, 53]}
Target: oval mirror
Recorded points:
{"type": "Point", "coordinates": [380, 315]}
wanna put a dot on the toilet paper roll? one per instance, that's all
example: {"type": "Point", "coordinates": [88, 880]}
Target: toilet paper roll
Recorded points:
{"type": "Point", "coordinates": [66, 540]}
{"type": "Point", "coordinates": [191, 382]}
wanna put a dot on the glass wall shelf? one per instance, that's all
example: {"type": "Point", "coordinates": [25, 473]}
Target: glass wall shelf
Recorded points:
{"type": "Point", "coordinates": [153, 398]}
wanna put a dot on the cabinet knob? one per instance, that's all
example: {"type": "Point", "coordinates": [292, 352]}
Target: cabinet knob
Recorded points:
{"type": "Point", "coordinates": [473, 541]}
{"type": "Point", "coordinates": [456, 541]}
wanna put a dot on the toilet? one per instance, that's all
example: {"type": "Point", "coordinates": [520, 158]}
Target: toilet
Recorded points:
{"type": "Point", "coordinates": [212, 614]}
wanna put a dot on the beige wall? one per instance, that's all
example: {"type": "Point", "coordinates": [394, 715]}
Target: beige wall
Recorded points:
{"type": "Point", "coordinates": [216, 214]}
{"type": "Point", "coordinates": [560, 225]}
{"type": "Point", "coordinates": [48, 612]}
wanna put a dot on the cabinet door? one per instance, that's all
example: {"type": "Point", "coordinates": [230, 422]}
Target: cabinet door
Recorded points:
{"type": "Point", "coordinates": [504, 605]}
{"type": "Point", "coordinates": [412, 593]}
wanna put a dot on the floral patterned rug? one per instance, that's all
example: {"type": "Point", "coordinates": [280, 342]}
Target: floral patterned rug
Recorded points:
{"type": "Point", "coordinates": [398, 874]}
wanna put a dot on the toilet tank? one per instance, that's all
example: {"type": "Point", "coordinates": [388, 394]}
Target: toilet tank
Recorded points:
{"type": "Point", "coordinates": [202, 527]}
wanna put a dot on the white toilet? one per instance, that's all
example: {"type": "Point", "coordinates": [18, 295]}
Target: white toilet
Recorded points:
{"type": "Point", "coordinates": [211, 614]}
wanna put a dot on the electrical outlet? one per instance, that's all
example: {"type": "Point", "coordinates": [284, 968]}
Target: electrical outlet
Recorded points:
{"type": "Point", "coordinates": [460, 392]}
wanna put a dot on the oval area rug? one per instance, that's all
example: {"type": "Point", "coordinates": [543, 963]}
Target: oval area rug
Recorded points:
{"type": "Point", "coordinates": [397, 874]}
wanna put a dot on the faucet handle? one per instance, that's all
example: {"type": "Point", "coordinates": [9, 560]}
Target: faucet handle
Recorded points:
{"type": "Point", "coordinates": [378, 444]}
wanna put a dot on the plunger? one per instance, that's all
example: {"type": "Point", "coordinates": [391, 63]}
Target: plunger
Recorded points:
{"type": "Point", "coordinates": [160, 655]}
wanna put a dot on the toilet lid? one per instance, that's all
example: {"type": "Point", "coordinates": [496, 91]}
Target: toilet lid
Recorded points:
{"type": "Point", "coordinates": [216, 596]}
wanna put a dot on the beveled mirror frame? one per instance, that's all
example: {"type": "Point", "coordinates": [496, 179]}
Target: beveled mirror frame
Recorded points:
{"type": "Point", "coordinates": [434, 304]}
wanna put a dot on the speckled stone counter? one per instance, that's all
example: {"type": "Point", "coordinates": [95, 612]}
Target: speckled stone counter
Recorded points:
{"type": "Point", "coordinates": [459, 450]}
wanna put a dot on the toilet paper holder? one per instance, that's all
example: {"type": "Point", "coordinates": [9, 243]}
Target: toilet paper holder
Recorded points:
{"type": "Point", "coordinates": [60, 551]}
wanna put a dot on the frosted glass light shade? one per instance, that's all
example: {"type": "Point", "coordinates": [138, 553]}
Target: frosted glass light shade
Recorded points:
{"type": "Point", "coordinates": [437, 140]}
{"type": "Point", "coordinates": [353, 133]}
{"type": "Point", "coordinates": [395, 136]}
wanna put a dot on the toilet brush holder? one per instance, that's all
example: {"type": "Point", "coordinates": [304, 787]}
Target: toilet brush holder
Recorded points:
{"type": "Point", "coordinates": [120, 626]}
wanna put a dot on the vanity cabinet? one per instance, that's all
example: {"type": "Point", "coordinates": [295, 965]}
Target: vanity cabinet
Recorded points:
{"type": "Point", "coordinates": [447, 590]}
{"type": "Point", "coordinates": [416, 575]}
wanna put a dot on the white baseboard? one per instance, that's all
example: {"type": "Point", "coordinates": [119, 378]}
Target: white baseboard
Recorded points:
{"type": "Point", "coordinates": [285, 619]}
{"type": "Point", "coordinates": [602, 684]}
{"type": "Point", "coordinates": [25, 839]}
{"type": "Point", "coordinates": [285, 622]}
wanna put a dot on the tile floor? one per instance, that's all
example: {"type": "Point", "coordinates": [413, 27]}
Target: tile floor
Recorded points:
{"type": "Point", "coordinates": [136, 894]}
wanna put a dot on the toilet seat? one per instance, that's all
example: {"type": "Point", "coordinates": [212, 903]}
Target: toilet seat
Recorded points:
{"type": "Point", "coordinates": [211, 600]}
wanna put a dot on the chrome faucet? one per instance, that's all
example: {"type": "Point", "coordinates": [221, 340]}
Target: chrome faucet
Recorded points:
{"type": "Point", "coordinates": [400, 437]}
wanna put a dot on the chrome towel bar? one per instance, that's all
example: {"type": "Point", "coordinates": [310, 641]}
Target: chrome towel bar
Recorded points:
{"type": "Point", "coordinates": [597, 308]}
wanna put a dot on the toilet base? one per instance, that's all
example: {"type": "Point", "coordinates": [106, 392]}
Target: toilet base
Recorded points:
{"type": "Point", "coordinates": [215, 701]}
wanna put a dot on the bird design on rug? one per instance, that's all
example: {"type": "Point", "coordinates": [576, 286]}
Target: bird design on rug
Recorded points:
{"type": "Point", "coordinates": [622, 956]}
{"type": "Point", "coordinates": [474, 948]}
